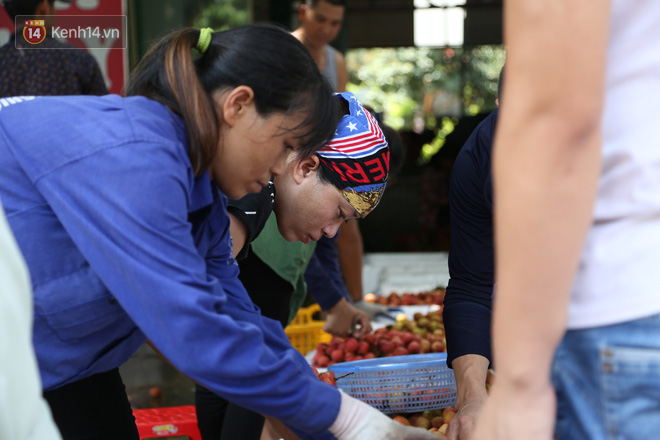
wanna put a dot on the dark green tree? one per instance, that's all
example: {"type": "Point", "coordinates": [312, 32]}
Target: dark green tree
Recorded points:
{"type": "Point", "coordinates": [401, 81]}
{"type": "Point", "coordinates": [223, 14]}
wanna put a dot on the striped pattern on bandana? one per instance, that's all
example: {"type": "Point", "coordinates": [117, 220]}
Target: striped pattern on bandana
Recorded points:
{"type": "Point", "coordinates": [357, 159]}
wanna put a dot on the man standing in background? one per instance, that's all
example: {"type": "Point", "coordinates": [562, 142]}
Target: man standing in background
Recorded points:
{"type": "Point", "coordinates": [320, 22]}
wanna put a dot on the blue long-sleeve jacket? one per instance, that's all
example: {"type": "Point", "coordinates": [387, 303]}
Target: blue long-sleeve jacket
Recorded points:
{"type": "Point", "coordinates": [323, 275]}
{"type": "Point", "coordinates": [124, 243]}
{"type": "Point", "coordinates": [468, 301]}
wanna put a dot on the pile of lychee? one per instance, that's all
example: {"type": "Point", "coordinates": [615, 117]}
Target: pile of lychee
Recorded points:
{"type": "Point", "coordinates": [394, 299]}
{"type": "Point", "coordinates": [435, 421]}
{"type": "Point", "coordinates": [423, 334]}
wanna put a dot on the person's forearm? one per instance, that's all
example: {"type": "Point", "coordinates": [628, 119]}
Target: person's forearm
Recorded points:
{"type": "Point", "coordinates": [238, 232]}
{"type": "Point", "coordinates": [546, 164]}
{"type": "Point", "coordinates": [470, 371]}
{"type": "Point", "coordinates": [351, 251]}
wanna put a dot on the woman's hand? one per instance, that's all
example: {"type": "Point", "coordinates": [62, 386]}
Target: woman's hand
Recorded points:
{"type": "Point", "coordinates": [343, 320]}
{"type": "Point", "coordinates": [463, 424]}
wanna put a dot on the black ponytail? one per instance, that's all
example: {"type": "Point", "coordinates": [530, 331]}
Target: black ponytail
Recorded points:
{"type": "Point", "coordinates": [277, 67]}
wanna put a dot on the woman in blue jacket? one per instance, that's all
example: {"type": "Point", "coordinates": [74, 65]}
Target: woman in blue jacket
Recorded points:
{"type": "Point", "coordinates": [119, 207]}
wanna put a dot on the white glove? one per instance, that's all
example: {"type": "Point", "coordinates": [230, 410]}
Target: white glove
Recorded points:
{"type": "Point", "coordinates": [370, 309]}
{"type": "Point", "coordinates": [359, 421]}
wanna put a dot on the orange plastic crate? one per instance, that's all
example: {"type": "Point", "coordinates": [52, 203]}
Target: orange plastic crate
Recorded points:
{"type": "Point", "coordinates": [304, 332]}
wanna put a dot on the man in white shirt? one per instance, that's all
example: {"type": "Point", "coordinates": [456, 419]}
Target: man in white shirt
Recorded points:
{"type": "Point", "coordinates": [576, 166]}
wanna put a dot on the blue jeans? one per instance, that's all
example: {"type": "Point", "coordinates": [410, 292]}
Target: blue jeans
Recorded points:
{"type": "Point", "coordinates": [608, 382]}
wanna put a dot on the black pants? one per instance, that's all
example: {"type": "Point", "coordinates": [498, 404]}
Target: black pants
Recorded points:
{"type": "Point", "coordinates": [217, 418]}
{"type": "Point", "coordinates": [95, 408]}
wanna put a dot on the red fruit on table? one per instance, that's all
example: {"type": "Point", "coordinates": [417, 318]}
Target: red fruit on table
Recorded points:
{"type": "Point", "coordinates": [337, 355]}
{"type": "Point", "coordinates": [448, 414]}
{"type": "Point", "coordinates": [154, 392]}
{"type": "Point", "coordinates": [437, 421]}
{"type": "Point", "coordinates": [328, 377]}
{"type": "Point", "coordinates": [437, 347]}
{"type": "Point", "coordinates": [422, 422]}
{"type": "Point", "coordinates": [386, 346]}
{"type": "Point", "coordinates": [323, 361]}
{"type": "Point", "coordinates": [414, 347]}
{"type": "Point", "coordinates": [401, 420]}
{"type": "Point", "coordinates": [363, 348]}
{"type": "Point", "coordinates": [400, 351]}
{"type": "Point", "coordinates": [396, 341]}
{"type": "Point", "coordinates": [394, 334]}
{"type": "Point", "coordinates": [351, 345]}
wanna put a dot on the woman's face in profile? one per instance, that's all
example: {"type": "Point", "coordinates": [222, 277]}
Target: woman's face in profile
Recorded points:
{"type": "Point", "coordinates": [252, 148]}
{"type": "Point", "coordinates": [306, 207]}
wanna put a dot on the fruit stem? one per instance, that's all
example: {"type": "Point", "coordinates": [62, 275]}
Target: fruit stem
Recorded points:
{"type": "Point", "coordinates": [347, 374]}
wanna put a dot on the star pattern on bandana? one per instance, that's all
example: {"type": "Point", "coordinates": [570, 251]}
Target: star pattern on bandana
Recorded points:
{"type": "Point", "coordinates": [356, 161]}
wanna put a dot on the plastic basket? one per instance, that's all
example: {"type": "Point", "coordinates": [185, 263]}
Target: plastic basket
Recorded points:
{"type": "Point", "coordinates": [398, 384]}
{"type": "Point", "coordinates": [304, 315]}
{"type": "Point", "coordinates": [305, 333]}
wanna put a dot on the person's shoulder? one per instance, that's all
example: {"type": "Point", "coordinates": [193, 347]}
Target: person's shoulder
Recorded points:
{"type": "Point", "coordinates": [154, 119]}
{"type": "Point", "coordinates": [486, 128]}
{"type": "Point", "coordinates": [337, 54]}
{"type": "Point", "coordinates": [342, 70]}
{"type": "Point", "coordinates": [491, 119]}
{"type": "Point", "coordinates": [479, 143]}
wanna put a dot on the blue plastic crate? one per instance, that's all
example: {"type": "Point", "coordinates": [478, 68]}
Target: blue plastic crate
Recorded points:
{"type": "Point", "coordinates": [400, 384]}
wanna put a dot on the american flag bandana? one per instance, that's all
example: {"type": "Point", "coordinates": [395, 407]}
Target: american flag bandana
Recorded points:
{"type": "Point", "coordinates": [357, 160]}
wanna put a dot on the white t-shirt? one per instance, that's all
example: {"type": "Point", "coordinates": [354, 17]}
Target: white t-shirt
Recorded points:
{"type": "Point", "coordinates": [620, 267]}
{"type": "Point", "coordinates": [24, 414]}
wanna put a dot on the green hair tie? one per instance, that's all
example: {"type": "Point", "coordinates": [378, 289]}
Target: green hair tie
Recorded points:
{"type": "Point", "coordinates": [204, 39]}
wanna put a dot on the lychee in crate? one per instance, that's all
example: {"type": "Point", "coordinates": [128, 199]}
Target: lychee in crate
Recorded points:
{"type": "Point", "coordinates": [399, 384]}
{"type": "Point", "coordinates": [304, 332]}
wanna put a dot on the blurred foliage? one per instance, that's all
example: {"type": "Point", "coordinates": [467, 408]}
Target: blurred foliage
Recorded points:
{"type": "Point", "coordinates": [447, 125]}
{"type": "Point", "coordinates": [403, 82]}
{"type": "Point", "coordinates": [396, 80]}
{"type": "Point", "coordinates": [223, 14]}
